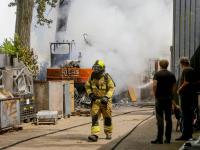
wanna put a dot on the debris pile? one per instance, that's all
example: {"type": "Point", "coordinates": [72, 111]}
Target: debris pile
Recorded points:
{"type": "Point", "coordinates": [121, 103]}
{"type": "Point", "coordinates": [4, 94]}
{"type": "Point", "coordinates": [81, 100]}
{"type": "Point", "coordinates": [17, 79]}
{"type": "Point", "coordinates": [81, 112]}
{"type": "Point", "coordinates": [71, 64]}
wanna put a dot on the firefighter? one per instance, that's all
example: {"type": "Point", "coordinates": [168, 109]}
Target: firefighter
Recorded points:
{"type": "Point", "coordinates": [100, 88]}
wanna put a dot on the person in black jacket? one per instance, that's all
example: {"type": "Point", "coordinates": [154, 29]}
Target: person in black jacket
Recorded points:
{"type": "Point", "coordinates": [164, 85]}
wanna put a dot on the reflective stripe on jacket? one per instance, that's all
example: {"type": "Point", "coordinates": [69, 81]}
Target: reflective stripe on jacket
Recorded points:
{"type": "Point", "coordinates": [98, 87]}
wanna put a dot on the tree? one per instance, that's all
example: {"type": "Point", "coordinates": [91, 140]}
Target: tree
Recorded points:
{"type": "Point", "coordinates": [24, 16]}
{"type": "Point", "coordinates": [23, 20]}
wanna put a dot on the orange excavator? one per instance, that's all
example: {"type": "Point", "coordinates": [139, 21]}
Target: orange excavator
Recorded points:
{"type": "Point", "coordinates": [67, 72]}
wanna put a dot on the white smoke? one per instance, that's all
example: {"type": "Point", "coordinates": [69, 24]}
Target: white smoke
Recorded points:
{"type": "Point", "coordinates": [7, 19]}
{"type": "Point", "coordinates": [123, 34]}
{"type": "Point", "coordinates": [41, 36]}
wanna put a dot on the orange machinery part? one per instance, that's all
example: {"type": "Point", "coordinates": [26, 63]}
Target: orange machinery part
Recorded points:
{"type": "Point", "coordinates": [156, 65]}
{"type": "Point", "coordinates": [79, 75]}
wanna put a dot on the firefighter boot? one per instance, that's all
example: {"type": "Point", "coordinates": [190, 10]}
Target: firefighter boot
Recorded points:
{"type": "Point", "coordinates": [93, 138]}
{"type": "Point", "coordinates": [108, 137]}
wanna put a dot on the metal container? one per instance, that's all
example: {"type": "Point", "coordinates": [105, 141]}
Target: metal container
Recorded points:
{"type": "Point", "coordinates": [41, 89]}
{"type": "Point", "coordinates": [7, 80]}
{"type": "Point", "coordinates": [14, 60]}
{"type": "Point", "coordinates": [9, 112]}
{"type": "Point", "coordinates": [49, 96]}
{"type": "Point", "coordinates": [56, 96]}
{"type": "Point", "coordinates": [3, 60]}
{"type": "Point", "coordinates": [67, 109]}
{"type": "Point", "coordinates": [47, 117]}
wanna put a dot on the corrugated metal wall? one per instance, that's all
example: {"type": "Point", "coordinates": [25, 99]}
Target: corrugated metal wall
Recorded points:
{"type": "Point", "coordinates": [186, 33]}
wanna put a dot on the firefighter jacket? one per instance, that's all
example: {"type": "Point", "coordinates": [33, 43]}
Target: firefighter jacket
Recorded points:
{"type": "Point", "coordinates": [99, 87]}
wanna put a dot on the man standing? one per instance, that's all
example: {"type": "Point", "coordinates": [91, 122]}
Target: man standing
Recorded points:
{"type": "Point", "coordinates": [164, 85]}
{"type": "Point", "coordinates": [100, 88]}
{"type": "Point", "coordinates": [186, 93]}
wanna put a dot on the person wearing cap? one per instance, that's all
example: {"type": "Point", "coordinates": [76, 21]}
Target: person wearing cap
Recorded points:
{"type": "Point", "coordinates": [186, 92]}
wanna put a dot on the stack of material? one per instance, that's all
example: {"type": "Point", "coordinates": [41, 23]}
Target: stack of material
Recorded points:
{"type": "Point", "coordinates": [14, 76]}
{"type": "Point", "coordinates": [71, 64]}
{"type": "Point", "coordinates": [81, 100]}
{"type": "Point", "coordinates": [17, 80]}
{"type": "Point", "coordinates": [4, 94]}
{"type": "Point", "coordinates": [81, 112]}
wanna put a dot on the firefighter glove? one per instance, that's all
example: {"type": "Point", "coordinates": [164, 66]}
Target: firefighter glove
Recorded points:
{"type": "Point", "coordinates": [92, 97]}
{"type": "Point", "coordinates": [104, 100]}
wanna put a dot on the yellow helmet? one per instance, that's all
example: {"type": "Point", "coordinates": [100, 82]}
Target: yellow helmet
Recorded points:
{"type": "Point", "coordinates": [98, 66]}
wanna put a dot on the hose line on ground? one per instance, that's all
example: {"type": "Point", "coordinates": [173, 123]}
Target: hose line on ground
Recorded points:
{"type": "Point", "coordinates": [131, 132]}
{"type": "Point", "coordinates": [66, 129]}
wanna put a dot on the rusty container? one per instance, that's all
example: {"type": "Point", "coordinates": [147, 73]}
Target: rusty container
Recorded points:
{"type": "Point", "coordinates": [9, 112]}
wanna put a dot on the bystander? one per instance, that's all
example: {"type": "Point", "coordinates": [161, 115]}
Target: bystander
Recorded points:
{"type": "Point", "coordinates": [186, 94]}
{"type": "Point", "coordinates": [164, 85]}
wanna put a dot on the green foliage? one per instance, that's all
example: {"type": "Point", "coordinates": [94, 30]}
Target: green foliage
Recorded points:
{"type": "Point", "coordinates": [29, 59]}
{"type": "Point", "coordinates": [24, 53]}
{"type": "Point", "coordinates": [13, 3]}
{"type": "Point", "coordinates": [7, 47]}
{"type": "Point", "coordinates": [41, 6]}
{"type": "Point", "coordinates": [10, 46]}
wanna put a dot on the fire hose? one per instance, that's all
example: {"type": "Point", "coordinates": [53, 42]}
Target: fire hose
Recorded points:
{"type": "Point", "coordinates": [131, 131]}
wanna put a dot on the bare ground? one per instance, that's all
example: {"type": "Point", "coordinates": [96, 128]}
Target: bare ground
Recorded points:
{"type": "Point", "coordinates": [74, 138]}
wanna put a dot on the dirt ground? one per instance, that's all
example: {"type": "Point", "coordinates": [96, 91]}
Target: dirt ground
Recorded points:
{"type": "Point", "coordinates": [74, 138]}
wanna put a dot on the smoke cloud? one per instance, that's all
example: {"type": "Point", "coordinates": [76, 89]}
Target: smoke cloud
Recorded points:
{"type": "Point", "coordinates": [123, 34]}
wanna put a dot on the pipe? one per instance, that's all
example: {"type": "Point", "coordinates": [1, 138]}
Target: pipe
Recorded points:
{"type": "Point", "coordinates": [16, 85]}
{"type": "Point", "coordinates": [131, 131]}
{"type": "Point", "coordinates": [19, 74]}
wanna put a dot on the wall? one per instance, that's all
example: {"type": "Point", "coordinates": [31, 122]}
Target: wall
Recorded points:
{"type": "Point", "coordinates": [186, 32]}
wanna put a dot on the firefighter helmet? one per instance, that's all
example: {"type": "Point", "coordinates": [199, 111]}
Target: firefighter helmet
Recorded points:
{"type": "Point", "coordinates": [98, 66]}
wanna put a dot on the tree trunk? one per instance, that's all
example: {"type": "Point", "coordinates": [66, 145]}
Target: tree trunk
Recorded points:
{"type": "Point", "coordinates": [23, 20]}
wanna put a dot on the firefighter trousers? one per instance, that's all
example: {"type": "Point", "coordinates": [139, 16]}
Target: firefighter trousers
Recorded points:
{"type": "Point", "coordinates": [96, 111]}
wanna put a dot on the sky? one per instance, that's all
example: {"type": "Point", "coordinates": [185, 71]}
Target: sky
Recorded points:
{"type": "Point", "coordinates": [123, 34]}
{"type": "Point", "coordinates": [7, 19]}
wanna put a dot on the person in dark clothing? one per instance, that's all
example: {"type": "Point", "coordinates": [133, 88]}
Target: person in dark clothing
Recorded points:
{"type": "Point", "coordinates": [186, 94]}
{"type": "Point", "coordinates": [164, 85]}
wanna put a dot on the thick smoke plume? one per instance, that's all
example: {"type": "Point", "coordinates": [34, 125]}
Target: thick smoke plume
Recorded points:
{"type": "Point", "coordinates": [123, 34]}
